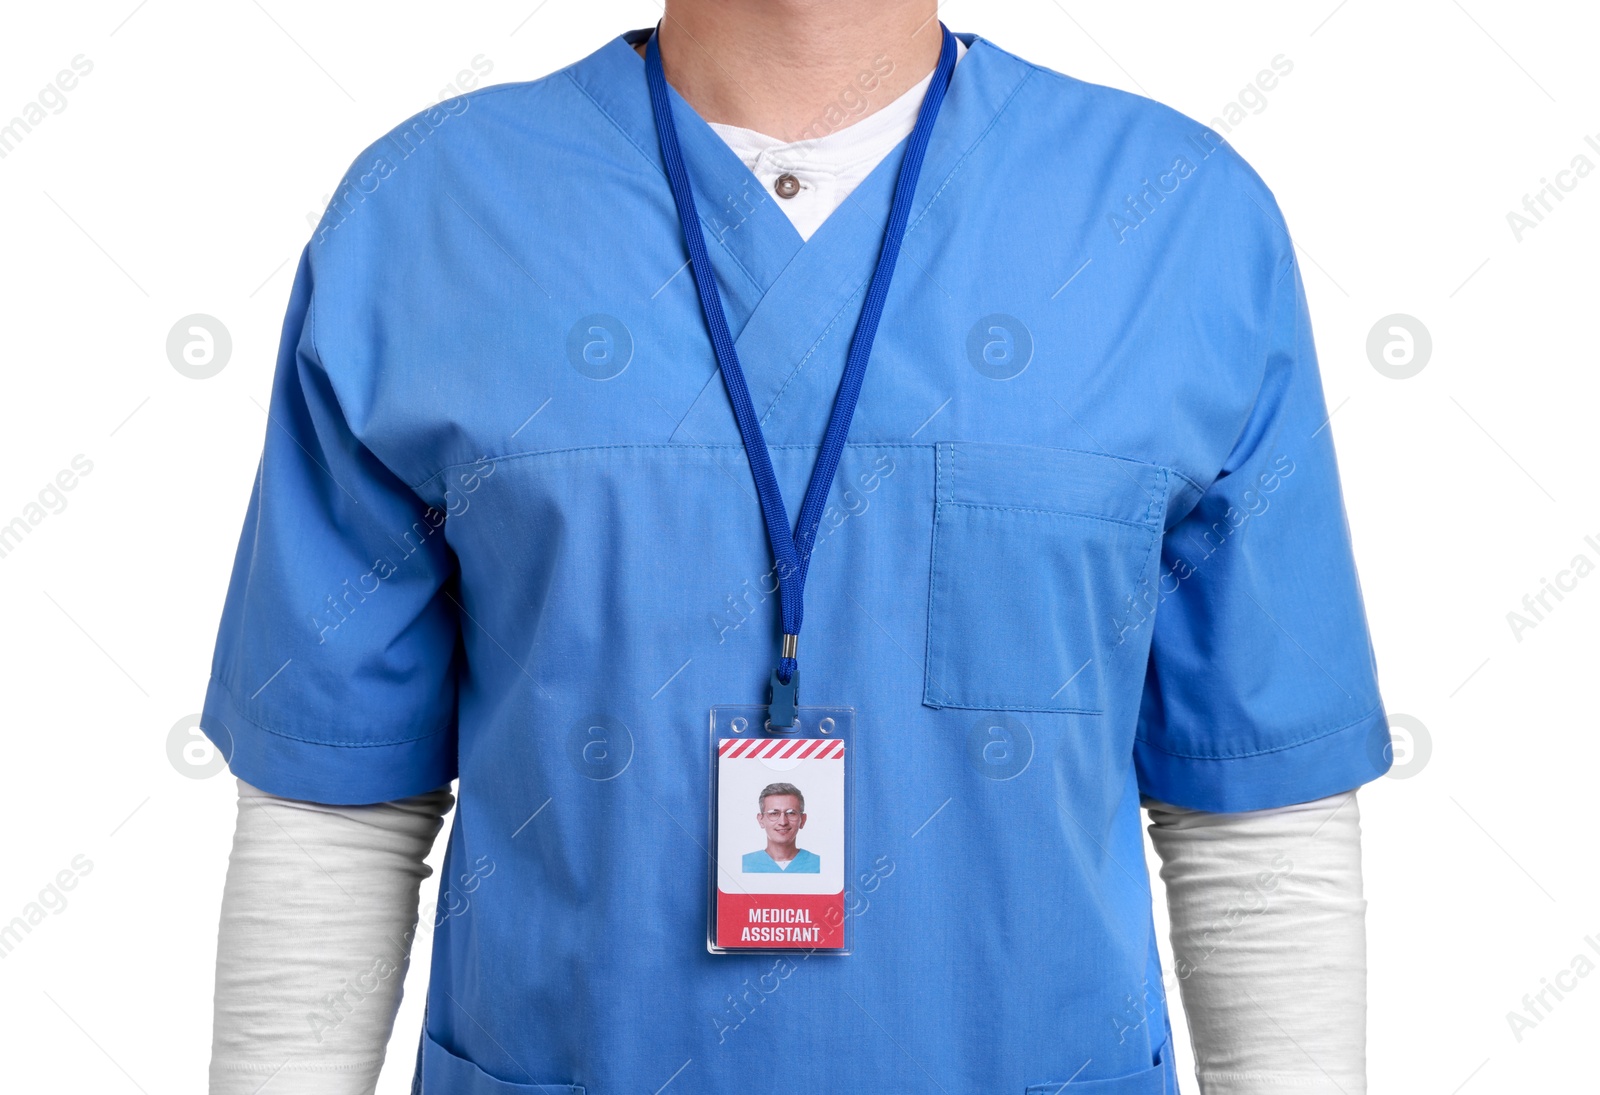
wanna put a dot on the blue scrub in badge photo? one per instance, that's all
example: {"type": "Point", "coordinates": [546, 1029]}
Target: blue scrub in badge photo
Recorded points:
{"type": "Point", "coordinates": [782, 815]}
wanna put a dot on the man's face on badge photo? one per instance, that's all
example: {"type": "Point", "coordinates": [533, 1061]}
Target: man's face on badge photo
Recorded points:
{"type": "Point", "coordinates": [782, 818]}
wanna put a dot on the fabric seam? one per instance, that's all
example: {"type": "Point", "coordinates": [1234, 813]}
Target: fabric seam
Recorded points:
{"type": "Point", "coordinates": [704, 224]}
{"type": "Point", "coordinates": [737, 446]}
{"type": "Point", "coordinates": [1364, 717]}
{"type": "Point", "coordinates": [866, 283]}
{"type": "Point", "coordinates": [1142, 525]}
{"type": "Point", "coordinates": [233, 701]}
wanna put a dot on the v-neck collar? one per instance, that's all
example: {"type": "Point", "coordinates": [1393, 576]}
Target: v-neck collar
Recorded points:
{"type": "Point", "coordinates": [791, 303]}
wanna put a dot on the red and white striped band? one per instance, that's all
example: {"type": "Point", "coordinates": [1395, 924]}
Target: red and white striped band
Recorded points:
{"type": "Point", "coordinates": [781, 748]}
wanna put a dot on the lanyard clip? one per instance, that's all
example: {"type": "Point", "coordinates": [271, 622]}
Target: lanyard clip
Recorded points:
{"type": "Point", "coordinates": [781, 706]}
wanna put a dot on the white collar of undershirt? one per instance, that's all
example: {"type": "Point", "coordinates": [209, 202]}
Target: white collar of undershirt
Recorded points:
{"type": "Point", "coordinates": [875, 134]}
{"type": "Point", "coordinates": [832, 164]}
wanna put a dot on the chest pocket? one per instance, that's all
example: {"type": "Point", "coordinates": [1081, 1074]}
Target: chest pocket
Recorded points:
{"type": "Point", "coordinates": [1039, 555]}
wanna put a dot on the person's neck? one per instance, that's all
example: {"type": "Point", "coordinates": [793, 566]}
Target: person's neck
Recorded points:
{"type": "Point", "coordinates": [795, 69]}
{"type": "Point", "coordinates": [781, 853]}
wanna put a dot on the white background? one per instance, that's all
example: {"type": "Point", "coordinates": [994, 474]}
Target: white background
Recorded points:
{"type": "Point", "coordinates": [180, 177]}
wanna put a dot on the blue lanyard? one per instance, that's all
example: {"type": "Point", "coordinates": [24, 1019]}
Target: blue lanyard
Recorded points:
{"type": "Point", "coordinates": [791, 550]}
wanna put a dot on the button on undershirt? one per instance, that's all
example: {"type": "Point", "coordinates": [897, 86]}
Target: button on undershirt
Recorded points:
{"type": "Point", "coordinates": [813, 177]}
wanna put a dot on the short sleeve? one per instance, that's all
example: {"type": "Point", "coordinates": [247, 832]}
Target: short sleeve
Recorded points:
{"type": "Point", "coordinates": [334, 674]}
{"type": "Point", "coordinates": [1262, 688]}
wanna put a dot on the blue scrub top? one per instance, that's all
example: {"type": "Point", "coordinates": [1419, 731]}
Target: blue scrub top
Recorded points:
{"type": "Point", "coordinates": [759, 862]}
{"type": "Point", "coordinates": [1087, 543]}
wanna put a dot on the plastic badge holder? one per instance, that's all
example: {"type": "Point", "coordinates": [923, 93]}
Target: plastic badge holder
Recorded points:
{"type": "Point", "coordinates": [793, 902]}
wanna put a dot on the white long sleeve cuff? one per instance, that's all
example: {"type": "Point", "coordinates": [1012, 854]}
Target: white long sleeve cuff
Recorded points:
{"type": "Point", "coordinates": [317, 921]}
{"type": "Point", "coordinates": [1269, 944]}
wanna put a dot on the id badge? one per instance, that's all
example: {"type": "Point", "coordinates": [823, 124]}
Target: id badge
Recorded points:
{"type": "Point", "coordinates": [780, 831]}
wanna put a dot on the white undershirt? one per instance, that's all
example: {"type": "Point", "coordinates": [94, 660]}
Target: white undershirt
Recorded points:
{"type": "Point", "coordinates": [829, 167]}
{"type": "Point", "coordinates": [1273, 983]}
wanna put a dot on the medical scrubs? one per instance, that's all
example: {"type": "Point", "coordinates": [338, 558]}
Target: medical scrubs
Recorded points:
{"type": "Point", "coordinates": [1086, 542]}
{"type": "Point", "coordinates": [760, 862]}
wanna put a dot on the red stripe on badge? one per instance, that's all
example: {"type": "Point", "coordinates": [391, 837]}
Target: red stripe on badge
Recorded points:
{"type": "Point", "coordinates": [781, 749]}
{"type": "Point", "coordinates": [771, 921]}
